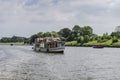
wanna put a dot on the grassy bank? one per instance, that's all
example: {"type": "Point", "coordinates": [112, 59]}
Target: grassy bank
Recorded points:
{"type": "Point", "coordinates": [14, 43]}
{"type": "Point", "coordinates": [91, 43]}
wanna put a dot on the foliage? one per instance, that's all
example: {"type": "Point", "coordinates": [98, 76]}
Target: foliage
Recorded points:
{"type": "Point", "coordinates": [71, 43]}
{"type": "Point", "coordinates": [80, 39]}
{"type": "Point", "coordinates": [116, 34]}
{"type": "Point", "coordinates": [65, 32]}
{"type": "Point", "coordinates": [14, 39]}
{"type": "Point", "coordinates": [87, 30]}
{"type": "Point", "coordinates": [14, 43]}
{"type": "Point", "coordinates": [86, 38]}
{"type": "Point", "coordinates": [114, 40]}
{"type": "Point", "coordinates": [76, 36]}
{"type": "Point", "coordinates": [91, 43]}
{"type": "Point", "coordinates": [79, 34]}
{"type": "Point", "coordinates": [76, 30]}
{"type": "Point", "coordinates": [54, 34]}
{"type": "Point", "coordinates": [32, 38]}
{"type": "Point", "coordinates": [5, 39]}
{"type": "Point", "coordinates": [106, 36]}
{"type": "Point", "coordinates": [70, 38]}
{"type": "Point", "coordinates": [41, 34]}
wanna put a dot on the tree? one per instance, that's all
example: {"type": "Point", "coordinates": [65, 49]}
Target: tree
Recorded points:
{"type": "Point", "coordinates": [86, 38]}
{"type": "Point", "coordinates": [114, 40]}
{"type": "Point", "coordinates": [76, 30]}
{"type": "Point", "coordinates": [40, 34]}
{"type": "Point", "coordinates": [116, 34]}
{"type": "Point", "coordinates": [13, 39]}
{"type": "Point", "coordinates": [32, 38]}
{"type": "Point", "coordinates": [26, 40]}
{"type": "Point", "coordinates": [54, 34]}
{"type": "Point", "coordinates": [106, 36]}
{"type": "Point", "coordinates": [47, 34]}
{"type": "Point", "coordinates": [80, 40]}
{"type": "Point", "coordinates": [87, 30]}
{"type": "Point", "coordinates": [17, 39]}
{"type": "Point", "coordinates": [70, 37]}
{"type": "Point", "coordinates": [65, 32]}
{"type": "Point", "coordinates": [5, 39]}
{"type": "Point", "coordinates": [93, 37]}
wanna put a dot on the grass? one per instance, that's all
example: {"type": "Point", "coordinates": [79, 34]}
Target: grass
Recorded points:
{"type": "Point", "coordinates": [107, 43]}
{"type": "Point", "coordinates": [72, 43]}
{"type": "Point", "coordinates": [117, 44]}
{"type": "Point", "coordinates": [90, 43]}
{"type": "Point", "coordinates": [14, 43]}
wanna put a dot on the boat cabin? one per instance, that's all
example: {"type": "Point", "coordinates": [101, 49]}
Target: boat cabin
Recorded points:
{"type": "Point", "coordinates": [49, 44]}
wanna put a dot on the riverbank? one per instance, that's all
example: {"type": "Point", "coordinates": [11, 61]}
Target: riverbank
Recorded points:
{"type": "Point", "coordinates": [74, 43]}
{"type": "Point", "coordinates": [14, 43]}
{"type": "Point", "coordinates": [108, 43]}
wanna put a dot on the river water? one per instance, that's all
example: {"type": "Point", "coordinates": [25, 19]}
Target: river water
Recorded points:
{"type": "Point", "coordinates": [77, 63]}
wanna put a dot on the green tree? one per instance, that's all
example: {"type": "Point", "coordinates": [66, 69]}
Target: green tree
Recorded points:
{"type": "Point", "coordinates": [40, 34]}
{"type": "Point", "coordinates": [105, 36]}
{"type": "Point", "coordinates": [17, 39]}
{"type": "Point", "coordinates": [80, 39]}
{"type": "Point", "coordinates": [65, 32]}
{"type": "Point", "coordinates": [87, 30]}
{"type": "Point", "coordinates": [116, 34]}
{"type": "Point", "coordinates": [32, 38]}
{"type": "Point", "coordinates": [26, 40]}
{"type": "Point", "coordinates": [114, 39]}
{"type": "Point", "coordinates": [76, 30]}
{"type": "Point", "coordinates": [86, 38]}
{"type": "Point", "coordinates": [47, 34]}
{"type": "Point", "coordinates": [54, 34]}
{"type": "Point", "coordinates": [5, 39]}
{"type": "Point", "coordinates": [13, 39]}
{"type": "Point", "coordinates": [70, 37]}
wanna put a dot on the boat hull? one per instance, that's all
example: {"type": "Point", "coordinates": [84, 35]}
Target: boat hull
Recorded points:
{"type": "Point", "coordinates": [50, 50]}
{"type": "Point", "coordinates": [98, 46]}
{"type": "Point", "coordinates": [56, 50]}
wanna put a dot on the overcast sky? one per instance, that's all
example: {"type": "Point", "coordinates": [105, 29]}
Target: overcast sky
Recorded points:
{"type": "Point", "coordinates": [27, 17]}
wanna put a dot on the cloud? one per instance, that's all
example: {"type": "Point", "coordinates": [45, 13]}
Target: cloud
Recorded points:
{"type": "Point", "coordinates": [26, 17]}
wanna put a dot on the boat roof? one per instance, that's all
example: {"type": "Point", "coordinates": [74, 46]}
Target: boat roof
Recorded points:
{"type": "Point", "coordinates": [48, 39]}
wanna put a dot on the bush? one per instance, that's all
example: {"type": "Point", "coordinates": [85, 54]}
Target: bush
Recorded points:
{"type": "Point", "coordinates": [101, 41]}
{"type": "Point", "coordinates": [71, 43]}
{"type": "Point", "coordinates": [80, 39]}
{"type": "Point", "coordinates": [86, 38]}
{"type": "Point", "coordinates": [114, 40]}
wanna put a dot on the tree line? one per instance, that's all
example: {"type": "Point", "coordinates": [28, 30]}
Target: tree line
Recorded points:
{"type": "Point", "coordinates": [14, 39]}
{"type": "Point", "coordinates": [67, 34]}
{"type": "Point", "coordinates": [80, 34]}
{"type": "Point", "coordinates": [77, 33]}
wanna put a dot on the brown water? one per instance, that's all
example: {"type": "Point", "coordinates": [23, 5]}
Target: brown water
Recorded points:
{"type": "Point", "coordinates": [77, 63]}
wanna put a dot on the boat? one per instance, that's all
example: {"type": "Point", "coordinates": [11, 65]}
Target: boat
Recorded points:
{"type": "Point", "coordinates": [11, 44]}
{"type": "Point", "coordinates": [49, 44]}
{"type": "Point", "coordinates": [98, 46]}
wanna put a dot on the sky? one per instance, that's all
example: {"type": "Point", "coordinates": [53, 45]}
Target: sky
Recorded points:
{"type": "Point", "coordinates": [27, 17]}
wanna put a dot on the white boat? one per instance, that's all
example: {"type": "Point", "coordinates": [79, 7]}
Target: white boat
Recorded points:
{"type": "Point", "coordinates": [48, 44]}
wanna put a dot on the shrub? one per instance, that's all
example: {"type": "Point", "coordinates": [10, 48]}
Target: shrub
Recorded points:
{"type": "Point", "coordinates": [114, 40]}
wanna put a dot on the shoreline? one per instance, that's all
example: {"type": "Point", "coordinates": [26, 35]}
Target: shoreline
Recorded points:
{"type": "Point", "coordinates": [22, 44]}
{"type": "Point", "coordinates": [92, 46]}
